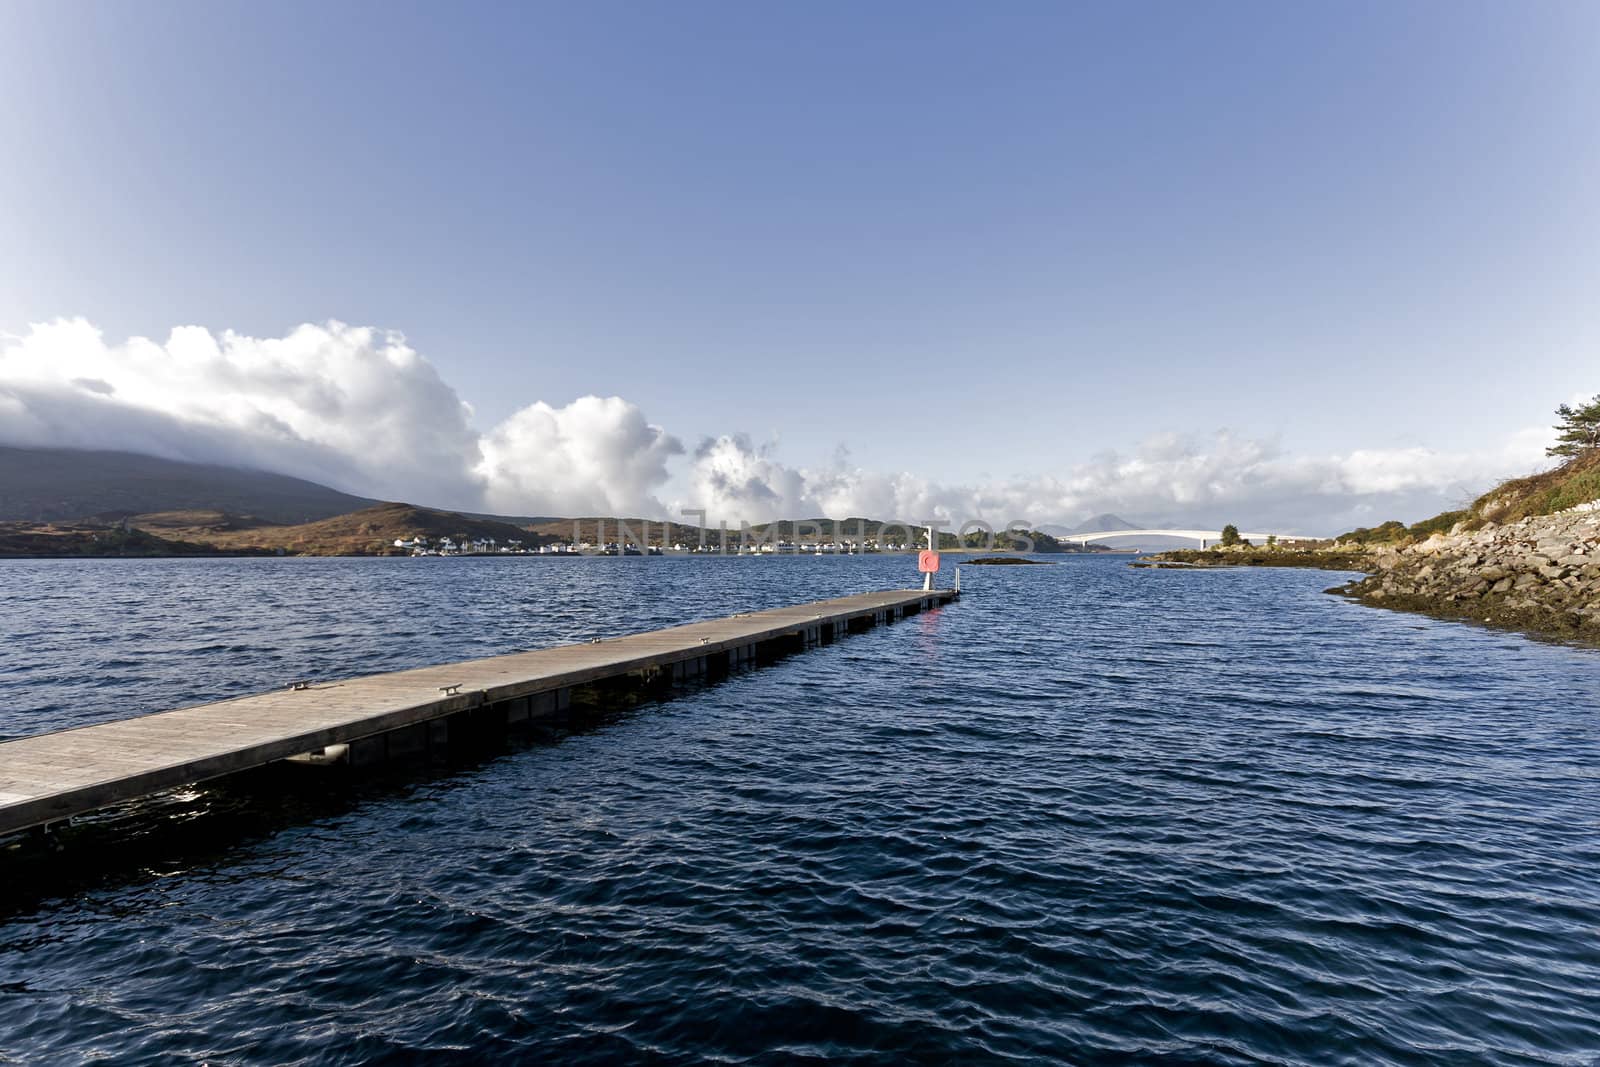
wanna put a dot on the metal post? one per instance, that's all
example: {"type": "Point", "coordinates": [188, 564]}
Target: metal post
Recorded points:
{"type": "Point", "coordinates": [927, 579]}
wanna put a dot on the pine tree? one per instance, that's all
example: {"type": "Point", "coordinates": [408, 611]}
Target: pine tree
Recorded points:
{"type": "Point", "coordinates": [1230, 535]}
{"type": "Point", "coordinates": [1579, 429]}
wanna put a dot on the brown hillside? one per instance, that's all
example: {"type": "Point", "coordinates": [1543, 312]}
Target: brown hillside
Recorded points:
{"type": "Point", "coordinates": [165, 522]}
{"type": "Point", "coordinates": [368, 532]}
{"type": "Point", "coordinates": [45, 539]}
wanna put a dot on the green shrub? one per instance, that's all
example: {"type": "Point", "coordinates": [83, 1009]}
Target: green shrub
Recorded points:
{"type": "Point", "coordinates": [1438, 524]}
{"type": "Point", "coordinates": [1575, 482]}
{"type": "Point", "coordinates": [1393, 530]}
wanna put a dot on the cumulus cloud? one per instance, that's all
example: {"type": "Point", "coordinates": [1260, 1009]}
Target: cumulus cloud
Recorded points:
{"type": "Point", "coordinates": [359, 409]}
{"type": "Point", "coordinates": [1170, 480]}
{"type": "Point", "coordinates": [350, 406]}
{"type": "Point", "coordinates": [347, 406]}
{"type": "Point", "coordinates": [733, 479]}
{"type": "Point", "coordinates": [596, 456]}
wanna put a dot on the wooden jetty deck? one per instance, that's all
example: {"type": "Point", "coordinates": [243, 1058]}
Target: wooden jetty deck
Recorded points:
{"type": "Point", "coordinates": [54, 776]}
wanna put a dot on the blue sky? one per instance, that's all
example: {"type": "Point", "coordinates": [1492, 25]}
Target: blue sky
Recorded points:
{"type": "Point", "coordinates": [981, 243]}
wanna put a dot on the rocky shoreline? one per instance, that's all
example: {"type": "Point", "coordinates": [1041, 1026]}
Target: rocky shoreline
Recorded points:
{"type": "Point", "coordinates": [1539, 575]}
{"type": "Point", "coordinates": [1321, 556]}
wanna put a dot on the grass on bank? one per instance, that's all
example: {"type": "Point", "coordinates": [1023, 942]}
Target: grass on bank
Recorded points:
{"type": "Point", "coordinates": [1577, 481]}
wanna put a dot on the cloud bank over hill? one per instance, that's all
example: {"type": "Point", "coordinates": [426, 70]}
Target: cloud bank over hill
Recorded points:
{"type": "Point", "coordinates": [343, 405]}
{"type": "Point", "coordinates": [360, 410]}
{"type": "Point", "coordinates": [1169, 479]}
{"type": "Point", "coordinates": [352, 407]}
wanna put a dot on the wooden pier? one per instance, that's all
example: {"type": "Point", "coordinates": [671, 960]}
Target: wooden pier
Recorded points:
{"type": "Point", "coordinates": [51, 777]}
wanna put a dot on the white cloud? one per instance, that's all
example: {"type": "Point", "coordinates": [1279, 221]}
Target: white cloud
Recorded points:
{"type": "Point", "coordinates": [596, 456]}
{"type": "Point", "coordinates": [1170, 480]}
{"type": "Point", "coordinates": [359, 409]}
{"type": "Point", "coordinates": [735, 480]}
{"type": "Point", "coordinates": [348, 406]}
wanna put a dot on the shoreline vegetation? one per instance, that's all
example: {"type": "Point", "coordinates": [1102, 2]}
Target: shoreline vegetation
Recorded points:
{"type": "Point", "coordinates": [396, 529]}
{"type": "Point", "coordinates": [83, 540]}
{"type": "Point", "coordinates": [70, 503]}
{"type": "Point", "coordinates": [1525, 556]}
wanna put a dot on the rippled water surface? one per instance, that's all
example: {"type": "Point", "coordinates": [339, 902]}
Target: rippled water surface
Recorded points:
{"type": "Point", "coordinates": [1088, 814]}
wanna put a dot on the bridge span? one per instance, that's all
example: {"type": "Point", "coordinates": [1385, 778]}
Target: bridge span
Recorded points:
{"type": "Point", "coordinates": [1203, 536]}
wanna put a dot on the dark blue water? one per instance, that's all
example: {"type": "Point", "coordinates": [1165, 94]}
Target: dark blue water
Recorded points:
{"type": "Point", "coordinates": [1088, 814]}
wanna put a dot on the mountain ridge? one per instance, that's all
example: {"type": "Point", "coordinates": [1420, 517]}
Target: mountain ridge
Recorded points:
{"type": "Point", "coordinates": [251, 510]}
{"type": "Point", "coordinates": [1104, 523]}
{"type": "Point", "coordinates": [64, 484]}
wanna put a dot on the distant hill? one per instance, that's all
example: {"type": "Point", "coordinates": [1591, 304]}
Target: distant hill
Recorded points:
{"type": "Point", "coordinates": [515, 520]}
{"type": "Point", "coordinates": [601, 529]}
{"type": "Point", "coordinates": [1103, 524]}
{"type": "Point", "coordinates": [56, 484]}
{"type": "Point", "coordinates": [370, 531]}
{"type": "Point", "coordinates": [42, 539]}
{"type": "Point", "coordinates": [233, 509]}
{"type": "Point", "coordinates": [658, 531]}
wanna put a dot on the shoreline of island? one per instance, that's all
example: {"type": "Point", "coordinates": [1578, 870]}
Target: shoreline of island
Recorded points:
{"type": "Point", "coordinates": [1523, 557]}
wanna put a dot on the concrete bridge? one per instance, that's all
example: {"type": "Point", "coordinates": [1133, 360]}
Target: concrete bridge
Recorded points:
{"type": "Point", "coordinates": [1205, 537]}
